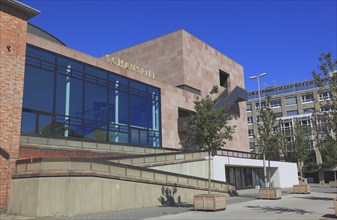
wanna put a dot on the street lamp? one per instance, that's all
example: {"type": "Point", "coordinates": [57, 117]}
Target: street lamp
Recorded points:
{"type": "Point", "coordinates": [264, 155]}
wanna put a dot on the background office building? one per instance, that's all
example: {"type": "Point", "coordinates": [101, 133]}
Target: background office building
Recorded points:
{"type": "Point", "coordinates": [291, 103]}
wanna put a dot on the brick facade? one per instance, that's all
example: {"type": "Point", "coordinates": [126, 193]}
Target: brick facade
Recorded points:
{"type": "Point", "coordinates": [13, 31]}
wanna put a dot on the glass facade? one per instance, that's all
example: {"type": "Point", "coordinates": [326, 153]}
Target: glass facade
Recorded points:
{"type": "Point", "coordinates": [70, 99]}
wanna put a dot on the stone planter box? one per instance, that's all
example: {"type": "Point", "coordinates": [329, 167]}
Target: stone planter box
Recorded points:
{"type": "Point", "coordinates": [209, 202]}
{"type": "Point", "coordinates": [335, 204]}
{"type": "Point", "coordinates": [304, 188]}
{"type": "Point", "coordinates": [270, 193]}
{"type": "Point", "coordinates": [333, 183]}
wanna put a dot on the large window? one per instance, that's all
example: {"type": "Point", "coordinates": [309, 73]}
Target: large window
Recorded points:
{"type": "Point", "coordinates": [291, 101]}
{"type": "Point", "coordinates": [308, 110]}
{"type": "Point", "coordinates": [263, 104]}
{"type": "Point", "coordinates": [275, 103]}
{"type": "Point", "coordinates": [326, 95]}
{"type": "Point", "coordinates": [307, 98]}
{"type": "Point", "coordinates": [67, 98]}
{"type": "Point", "coordinates": [249, 107]}
{"type": "Point", "coordinates": [292, 113]}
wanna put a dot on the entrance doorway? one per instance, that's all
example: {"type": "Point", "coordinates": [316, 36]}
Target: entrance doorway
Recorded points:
{"type": "Point", "coordinates": [245, 177]}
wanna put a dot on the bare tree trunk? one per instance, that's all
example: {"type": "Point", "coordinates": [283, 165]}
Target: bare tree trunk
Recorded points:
{"type": "Point", "coordinates": [209, 172]}
{"type": "Point", "coordinates": [300, 166]}
{"type": "Point", "coordinates": [269, 182]}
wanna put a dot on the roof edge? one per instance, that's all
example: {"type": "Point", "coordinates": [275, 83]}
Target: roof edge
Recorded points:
{"type": "Point", "coordinates": [21, 7]}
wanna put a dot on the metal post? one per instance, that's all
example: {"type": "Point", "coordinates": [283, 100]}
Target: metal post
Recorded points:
{"type": "Point", "coordinates": [264, 155]}
{"type": "Point", "coordinates": [116, 110]}
{"type": "Point", "coordinates": [67, 102]}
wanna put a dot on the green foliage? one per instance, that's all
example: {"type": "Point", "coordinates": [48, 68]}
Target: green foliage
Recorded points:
{"type": "Point", "coordinates": [270, 140]}
{"type": "Point", "coordinates": [327, 77]}
{"type": "Point", "coordinates": [300, 145]}
{"type": "Point", "coordinates": [329, 153]}
{"type": "Point", "coordinates": [208, 128]}
{"type": "Point", "coordinates": [301, 142]}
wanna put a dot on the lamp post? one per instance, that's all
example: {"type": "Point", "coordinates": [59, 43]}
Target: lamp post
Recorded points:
{"type": "Point", "coordinates": [263, 153]}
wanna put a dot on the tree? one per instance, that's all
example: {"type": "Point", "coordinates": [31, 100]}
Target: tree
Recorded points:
{"type": "Point", "coordinates": [208, 129]}
{"type": "Point", "coordinates": [326, 129]}
{"type": "Point", "coordinates": [300, 145]}
{"type": "Point", "coordinates": [270, 140]}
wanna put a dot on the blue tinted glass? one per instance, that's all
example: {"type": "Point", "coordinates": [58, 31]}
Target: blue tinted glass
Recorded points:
{"type": "Point", "coordinates": [143, 138]}
{"type": "Point", "coordinates": [44, 127]}
{"type": "Point", "coordinates": [69, 96]}
{"type": "Point", "coordinates": [38, 89]}
{"type": "Point", "coordinates": [154, 113]}
{"type": "Point", "coordinates": [123, 108]}
{"type": "Point", "coordinates": [137, 85]}
{"type": "Point", "coordinates": [138, 111]}
{"type": "Point", "coordinates": [70, 64]}
{"type": "Point", "coordinates": [118, 137]}
{"type": "Point", "coordinates": [134, 136]}
{"type": "Point", "coordinates": [96, 72]}
{"type": "Point", "coordinates": [153, 90]}
{"type": "Point", "coordinates": [75, 131]}
{"type": "Point", "coordinates": [41, 54]}
{"type": "Point", "coordinates": [96, 105]}
{"type": "Point", "coordinates": [28, 123]}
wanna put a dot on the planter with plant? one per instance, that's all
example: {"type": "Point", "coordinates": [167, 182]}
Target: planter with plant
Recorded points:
{"type": "Point", "coordinates": [300, 152]}
{"type": "Point", "coordinates": [270, 144]}
{"type": "Point", "coordinates": [207, 131]}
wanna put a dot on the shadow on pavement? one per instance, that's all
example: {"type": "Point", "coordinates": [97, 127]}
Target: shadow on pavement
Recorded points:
{"type": "Point", "coordinates": [316, 198]}
{"type": "Point", "coordinates": [280, 210]}
{"type": "Point", "coordinates": [329, 216]}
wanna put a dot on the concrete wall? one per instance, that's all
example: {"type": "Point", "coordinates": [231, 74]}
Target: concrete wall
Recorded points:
{"type": "Point", "coordinates": [69, 196]}
{"type": "Point", "coordinates": [197, 168]}
{"type": "Point", "coordinates": [283, 174]}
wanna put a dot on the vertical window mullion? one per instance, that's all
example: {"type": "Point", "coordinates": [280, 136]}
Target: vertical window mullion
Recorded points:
{"type": "Point", "coordinates": [129, 104]}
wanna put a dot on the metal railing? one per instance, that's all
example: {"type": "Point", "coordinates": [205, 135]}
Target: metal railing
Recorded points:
{"type": "Point", "coordinates": [239, 154]}
{"type": "Point", "coordinates": [152, 159]}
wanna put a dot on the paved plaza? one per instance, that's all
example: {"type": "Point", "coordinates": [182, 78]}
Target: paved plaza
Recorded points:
{"type": "Point", "coordinates": [316, 205]}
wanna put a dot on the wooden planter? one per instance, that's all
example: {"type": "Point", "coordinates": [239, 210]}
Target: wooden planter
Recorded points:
{"type": "Point", "coordinates": [333, 183]}
{"type": "Point", "coordinates": [304, 188]}
{"type": "Point", "coordinates": [270, 193]}
{"type": "Point", "coordinates": [211, 202]}
{"type": "Point", "coordinates": [335, 203]}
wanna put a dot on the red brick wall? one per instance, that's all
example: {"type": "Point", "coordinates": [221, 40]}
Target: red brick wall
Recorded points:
{"type": "Point", "coordinates": [13, 32]}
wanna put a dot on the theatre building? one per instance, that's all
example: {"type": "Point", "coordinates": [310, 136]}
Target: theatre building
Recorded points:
{"type": "Point", "coordinates": [61, 110]}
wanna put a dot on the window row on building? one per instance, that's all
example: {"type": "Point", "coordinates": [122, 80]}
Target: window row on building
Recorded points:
{"type": "Point", "coordinates": [281, 90]}
{"type": "Point", "coordinates": [292, 100]}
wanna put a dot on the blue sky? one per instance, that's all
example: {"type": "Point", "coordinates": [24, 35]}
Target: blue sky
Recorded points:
{"type": "Point", "coordinates": [282, 38]}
